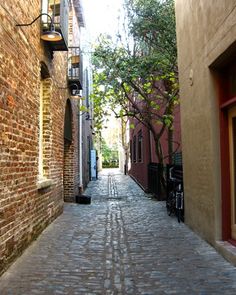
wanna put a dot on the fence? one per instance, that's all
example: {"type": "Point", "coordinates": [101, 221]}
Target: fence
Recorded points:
{"type": "Point", "coordinates": [154, 180]}
{"type": "Point", "coordinates": [155, 171]}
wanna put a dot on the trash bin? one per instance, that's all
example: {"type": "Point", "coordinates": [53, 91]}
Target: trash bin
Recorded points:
{"type": "Point", "coordinates": [82, 199]}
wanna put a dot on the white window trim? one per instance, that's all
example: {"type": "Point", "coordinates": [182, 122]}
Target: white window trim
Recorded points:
{"type": "Point", "coordinates": [43, 182]}
{"type": "Point", "coordinates": [40, 159]}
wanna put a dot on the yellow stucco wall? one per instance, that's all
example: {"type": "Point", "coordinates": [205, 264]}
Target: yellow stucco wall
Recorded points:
{"type": "Point", "coordinates": [205, 29]}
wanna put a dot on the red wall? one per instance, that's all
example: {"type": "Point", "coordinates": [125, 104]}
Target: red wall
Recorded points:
{"type": "Point", "coordinates": [139, 170]}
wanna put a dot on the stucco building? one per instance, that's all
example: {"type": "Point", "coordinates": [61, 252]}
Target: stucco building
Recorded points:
{"type": "Point", "coordinates": [39, 124]}
{"type": "Point", "coordinates": [206, 38]}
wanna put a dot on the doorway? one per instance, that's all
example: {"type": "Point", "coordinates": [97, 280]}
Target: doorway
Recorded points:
{"type": "Point", "coordinates": [227, 105]}
{"type": "Point", "coordinates": [68, 155]}
{"type": "Point", "coordinates": [232, 155]}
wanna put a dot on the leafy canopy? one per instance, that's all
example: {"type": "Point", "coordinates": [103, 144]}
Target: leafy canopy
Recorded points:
{"type": "Point", "coordinates": [139, 79]}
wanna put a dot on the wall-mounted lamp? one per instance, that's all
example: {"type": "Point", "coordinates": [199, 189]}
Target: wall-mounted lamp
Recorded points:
{"type": "Point", "coordinates": [74, 89]}
{"type": "Point", "coordinates": [51, 34]}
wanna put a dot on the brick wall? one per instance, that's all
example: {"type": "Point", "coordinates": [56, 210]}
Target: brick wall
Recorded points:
{"type": "Point", "coordinates": [71, 169]}
{"type": "Point", "coordinates": [25, 210]}
{"type": "Point", "coordinates": [139, 169]}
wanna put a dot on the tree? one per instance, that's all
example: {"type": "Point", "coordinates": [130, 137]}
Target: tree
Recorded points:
{"type": "Point", "coordinates": [109, 155]}
{"type": "Point", "coordinates": [141, 77]}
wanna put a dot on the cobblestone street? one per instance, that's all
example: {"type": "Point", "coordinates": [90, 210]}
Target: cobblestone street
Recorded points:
{"type": "Point", "coordinates": [123, 243]}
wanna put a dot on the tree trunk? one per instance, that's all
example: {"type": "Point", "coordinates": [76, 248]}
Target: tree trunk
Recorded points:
{"type": "Point", "coordinates": [160, 158]}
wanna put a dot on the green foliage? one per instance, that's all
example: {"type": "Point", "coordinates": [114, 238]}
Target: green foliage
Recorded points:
{"type": "Point", "coordinates": [152, 23]}
{"type": "Point", "coordinates": [110, 158]}
{"type": "Point", "coordinates": [141, 82]}
{"type": "Point", "coordinates": [83, 108]}
{"type": "Point", "coordinates": [131, 125]}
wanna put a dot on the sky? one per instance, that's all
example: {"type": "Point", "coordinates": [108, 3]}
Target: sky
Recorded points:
{"type": "Point", "coordinates": [101, 16]}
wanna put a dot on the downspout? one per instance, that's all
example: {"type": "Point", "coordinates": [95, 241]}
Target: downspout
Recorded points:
{"type": "Point", "coordinates": [81, 188]}
{"type": "Point", "coordinates": [80, 149]}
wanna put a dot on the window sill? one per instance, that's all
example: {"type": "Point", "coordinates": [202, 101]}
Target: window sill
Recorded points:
{"type": "Point", "coordinates": [44, 183]}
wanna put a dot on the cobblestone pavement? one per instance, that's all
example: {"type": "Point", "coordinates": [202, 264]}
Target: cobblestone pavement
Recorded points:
{"type": "Point", "coordinates": [123, 243]}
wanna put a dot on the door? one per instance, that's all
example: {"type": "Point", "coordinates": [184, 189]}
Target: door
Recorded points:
{"type": "Point", "coordinates": [93, 164]}
{"type": "Point", "coordinates": [232, 153]}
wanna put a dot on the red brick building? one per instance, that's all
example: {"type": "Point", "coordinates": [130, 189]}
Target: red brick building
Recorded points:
{"type": "Point", "coordinates": [38, 120]}
{"type": "Point", "coordinates": [142, 149]}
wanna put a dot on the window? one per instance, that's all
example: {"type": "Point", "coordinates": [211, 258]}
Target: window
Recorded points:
{"type": "Point", "coordinates": [134, 149]}
{"type": "Point", "coordinates": [232, 81]}
{"type": "Point", "coordinates": [52, 8]}
{"type": "Point", "coordinates": [140, 146]}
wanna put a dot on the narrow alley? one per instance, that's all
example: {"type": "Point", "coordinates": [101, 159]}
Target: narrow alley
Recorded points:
{"type": "Point", "coordinates": [123, 243]}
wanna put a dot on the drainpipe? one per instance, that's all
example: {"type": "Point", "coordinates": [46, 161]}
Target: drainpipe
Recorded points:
{"type": "Point", "coordinates": [80, 149]}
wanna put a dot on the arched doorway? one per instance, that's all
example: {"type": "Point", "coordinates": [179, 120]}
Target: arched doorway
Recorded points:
{"type": "Point", "coordinates": [45, 125]}
{"type": "Point", "coordinates": [68, 155]}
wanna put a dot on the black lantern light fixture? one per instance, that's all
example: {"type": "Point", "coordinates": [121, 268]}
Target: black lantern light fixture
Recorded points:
{"type": "Point", "coordinates": [74, 89]}
{"type": "Point", "coordinates": [50, 35]}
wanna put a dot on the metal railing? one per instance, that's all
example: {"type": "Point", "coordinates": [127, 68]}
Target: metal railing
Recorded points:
{"type": "Point", "coordinates": [74, 66]}
{"type": "Point", "coordinates": [73, 63]}
{"type": "Point", "coordinates": [60, 16]}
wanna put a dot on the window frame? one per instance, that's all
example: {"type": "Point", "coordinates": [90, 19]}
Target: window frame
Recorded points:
{"type": "Point", "coordinates": [140, 147]}
{"type": "Point", "coordinates": [134, 150]}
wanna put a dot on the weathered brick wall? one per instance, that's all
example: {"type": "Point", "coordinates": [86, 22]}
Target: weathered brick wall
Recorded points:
{"type": "Point", "coordinates": [26, 210]}
{"type": "Point", "coordinates": [71, 149]}
{"type": "Point", "coordinates": [73, 169]}
{"type": "Point", "coordinates": [71, 163]}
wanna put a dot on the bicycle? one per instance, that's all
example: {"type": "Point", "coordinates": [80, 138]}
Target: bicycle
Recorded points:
{"type": "Point", "coordinates": [170, 203]}
{"type": "Point", "coordinates": [175, 196]}
{"type": "Point", "coordinates": [179, 202]}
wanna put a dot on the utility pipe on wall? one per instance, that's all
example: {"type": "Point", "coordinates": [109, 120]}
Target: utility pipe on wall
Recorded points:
{"type": "Point", "coordinates": [80, 149]}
